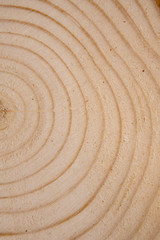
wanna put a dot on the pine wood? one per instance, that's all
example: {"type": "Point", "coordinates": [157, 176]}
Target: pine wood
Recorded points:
{"type": "Point", "coordinates": [79, 120]}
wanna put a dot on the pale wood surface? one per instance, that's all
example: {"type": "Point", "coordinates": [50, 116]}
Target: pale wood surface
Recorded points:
{"type": "Point", "coordinates": [79, 120]}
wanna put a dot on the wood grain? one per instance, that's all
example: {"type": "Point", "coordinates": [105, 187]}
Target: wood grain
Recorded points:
{"type": "Point", "coordinates": [79, 120]}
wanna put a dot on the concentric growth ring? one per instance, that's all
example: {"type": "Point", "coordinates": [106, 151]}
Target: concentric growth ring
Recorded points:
{"type": "Point", "coordinates": [79, 119]}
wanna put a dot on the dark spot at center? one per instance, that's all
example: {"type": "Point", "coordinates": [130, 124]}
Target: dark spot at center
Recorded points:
{"type": "Point", "coordinates": [3, 111]}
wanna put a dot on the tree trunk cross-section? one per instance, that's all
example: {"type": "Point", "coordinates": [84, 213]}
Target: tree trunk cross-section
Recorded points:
{"type": "Point", "coordinates": [79, 120]}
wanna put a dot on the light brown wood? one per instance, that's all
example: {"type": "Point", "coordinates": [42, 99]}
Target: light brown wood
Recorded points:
{"type": "Point", "coordinates": [79, 120]}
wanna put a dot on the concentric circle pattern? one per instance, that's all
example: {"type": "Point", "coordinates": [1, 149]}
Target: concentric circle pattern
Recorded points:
{"type": "Point", "coordinates": [79, 120]}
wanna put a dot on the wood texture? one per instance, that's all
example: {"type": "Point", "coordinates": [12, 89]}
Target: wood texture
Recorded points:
{"type": "Point", "coordinates": [79, 120]}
